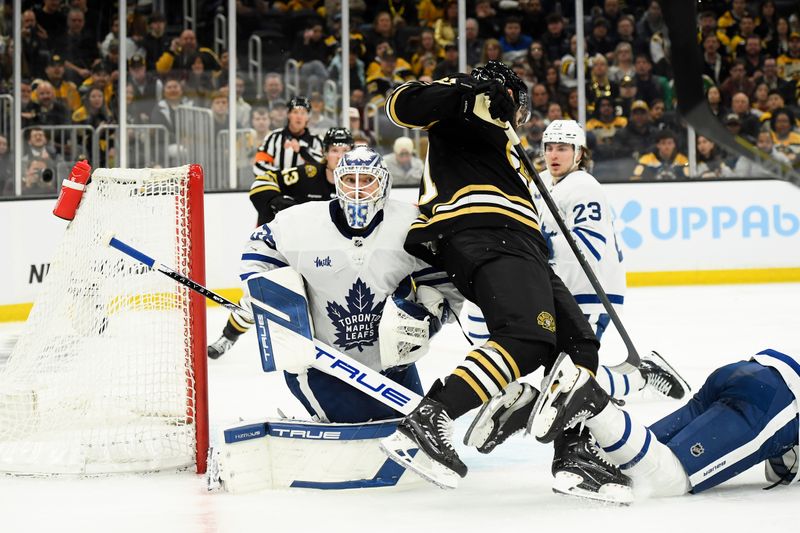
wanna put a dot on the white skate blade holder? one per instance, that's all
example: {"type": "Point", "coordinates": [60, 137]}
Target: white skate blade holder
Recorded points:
{"type": "Point", "coordinates": [405, 452]}
{"type": "Point", "coordinates": [561, 380]}
{"type": "Point", "coordinates": [482, 427]}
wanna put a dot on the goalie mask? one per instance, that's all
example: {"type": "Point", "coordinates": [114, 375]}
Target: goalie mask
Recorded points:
{"type": "Point", "coordinates": [497, 70]}
{"type": "Point", "coordinates": [362, 185]}
{"type": "Point", "coordinates": [565, 132]}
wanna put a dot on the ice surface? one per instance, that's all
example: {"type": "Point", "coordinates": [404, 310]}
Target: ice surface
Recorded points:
{"type": "Point", "coordinates": [695, 328]}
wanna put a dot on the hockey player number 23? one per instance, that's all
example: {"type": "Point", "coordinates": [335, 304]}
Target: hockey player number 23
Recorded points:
{"type": "Point", "coordinates": [593, 214]}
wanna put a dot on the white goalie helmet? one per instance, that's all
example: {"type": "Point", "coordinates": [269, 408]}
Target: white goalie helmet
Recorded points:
{"type": "Point", "coordinates": [362, 185]}
{"type": "Point", "coordinates": [565, 132]}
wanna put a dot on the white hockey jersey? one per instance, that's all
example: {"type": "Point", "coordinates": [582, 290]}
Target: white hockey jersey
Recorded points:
{"type": "Point", "coordinates": [347, 277]}
{"type": "Point", "coordinates": [584, 207]}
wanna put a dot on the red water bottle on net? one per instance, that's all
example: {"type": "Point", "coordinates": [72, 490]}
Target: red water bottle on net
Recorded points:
{"type": "Point", "coordinates": [72, 190]}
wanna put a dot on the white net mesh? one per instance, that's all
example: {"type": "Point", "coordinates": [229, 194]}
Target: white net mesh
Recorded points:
{"type": "Point", "coordinates": [102, 380]}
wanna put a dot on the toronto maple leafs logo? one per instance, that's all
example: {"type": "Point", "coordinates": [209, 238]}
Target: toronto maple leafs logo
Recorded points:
{"type": "Point", "coordinates": [356, 325]}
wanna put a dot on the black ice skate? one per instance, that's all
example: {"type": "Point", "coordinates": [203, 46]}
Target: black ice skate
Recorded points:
{"type": "Point", "coordinates": [429, 429]}
{"type": "Point", "coordinates": [581, 469]}
{"type": "Point", "coordinates": [220, 346]}
{"type": "Point", "coordinates": [569, 396]}
{"type": "Point", "coordinates": [662, 378]}
{"type": "Point", "coordinates": [505, 414]}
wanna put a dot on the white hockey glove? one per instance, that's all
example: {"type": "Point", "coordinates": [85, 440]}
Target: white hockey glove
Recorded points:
{"type": "Point", "coordinates": [433, 300]}
{"type": "Point", "coordinates": [404, 332]}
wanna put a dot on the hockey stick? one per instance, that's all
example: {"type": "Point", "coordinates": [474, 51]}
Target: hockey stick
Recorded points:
{"type": "Point", "coordinates": [691, 98]}
{"type": "Point", "coordinates": [327, 359]}
{"type": "Point", "coordinates": [631, 363]}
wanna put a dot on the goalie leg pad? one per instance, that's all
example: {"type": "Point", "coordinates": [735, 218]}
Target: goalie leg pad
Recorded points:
{"type": "Point", "coordinates": [289, 453]}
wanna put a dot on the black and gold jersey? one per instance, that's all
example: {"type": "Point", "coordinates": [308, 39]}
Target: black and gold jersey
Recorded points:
{"type": "Point", "coordinates": [303, 183]}
{"type": "Point", "coordinates": [472, 176]}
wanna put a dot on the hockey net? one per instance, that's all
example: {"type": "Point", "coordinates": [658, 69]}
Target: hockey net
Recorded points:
{"type": "Point", "coordinates": [109, 375]}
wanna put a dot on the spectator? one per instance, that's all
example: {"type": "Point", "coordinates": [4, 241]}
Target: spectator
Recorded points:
{"type": "Point", "coordinates": [789, 63]}
{"type": "Point", "coordinates": [737, 82]}
{"type": "Point", "coordinates": [710, 163]}
{"type": "Point", "coordinates": [513, 42]}
{"type": "Point", "coordinates": [599, 85]}
{"type": "Point", "coordinates": [404, 167]}
{"type": "Point", "coordinates": [623, 63]}
{"type": "Point", "coordinates": [733, 124]}
{"type": "Point", "coordinates": [533, 17]}
{"type": "Point", "coordinates": [94, 111]}
{"type": "Point", "coordinates": [77, 47]}
{"type": "Point", "coordinates": [38, 178]}
{"type": "Point", "coordinates": [627, 95]}
{"type": "Point", "coordinates": [779, 44]}
{"type": "Point", "coordinates": [357, 128]}
{"type": "Point", "coordinates": [707, 25]}
{"type": "Point", "coordinates": [52, 20]}
{"type": "Point", "coordinates": [604, 122]}
{"type": "Point", "coordinates": [404, 11]}
{"type": "Point", "coordinates": [775, 101]}
{"type": "Point", "coordinates": [571, 107]}
{"type": "Point", "coordinates": [636, 138]}
{"type": "Point", "coordinates": [383, 81]}
{"type": "Point", "coordinates": [165, 111]}
{"type": "Point", "coordinates": [773, 81]}
{"type": "Point", "coordinates": [66, 91]}
{"type": "Point", "coordinates": [402, 69]}
{"type": "Point", "coordinates": [714, 99]}
{"type": "Point", "coordinates": [219, 112]}
{"type": "Point", "coordinates": [427, 55]}
{"type": "Point", "coordinates": [99, 78]}
{"type": "Point", "coordinates": [488, 24]}
{"type": "Point", "coordinates": [310, 50]}
{"type": "Point", "coordinates": [492, 51]}
{"type": "Point", "coordinates": [747, 26]}
{"type": "Point", "coordinates": [747, 168]}
{"type": "Point", "coordinates": [728, 23]}
{"type": "Point", "coordinates": [474, 42]}
{"type": "Point", "coordinates": [652, 22]}
{"type": "Point", "coordinates": [647, 87]}
{"type": "Point", "coordinates": [155, 43]}
{"type": "Point", "coordinates": [753, 58]}
{"type": "Point", "coordinates": [46, 110]}
{"type": "Point", "coordinates": [760, 103]}
{"type": "Point", "coordinates": [243, 108]}
{"type": "Point", "coordinates": [198, 84]}
{"type": "Point", "coordinates": [445, 28]}
{"type": "Point", "coordinates": [768, 20]}
{"type": "Point", "coordinates": [259, 121]}
{"type": "Point", "coordinates": [37, 144]}
{"type": "Point", "coordinates": [147, 89]}
{"type": "Point", "coordinates": [382, 30]}
{"type": "Point", "coordinates": [554, 112]}
{"type": "Point", "coordinates": [34, 46]}
{"type": "Point", "coordinates": [785, 138]}
{"type": "Point", "coordinates": [131, 46]}
{"type": "Point", "coordinates": [358, 70]}
{"type": "Point", "coordinates": [556, 40]}
{"type": "Point", "coordinates": [539, 99]}
{"type": "Point", "coordinates": [663, 163]}
{"type": "Point", "coordinates": [273, 91]}
{"type": "Point", "coordinates": [568, 65]}
{"type": "Point", "coordinates": [598, 41]}
{"type": "Point", "coordinates": [626, 33]}
{"type": "Point", "coordinates": [333, 40]}
{"type": "Point", "coordinates": [740, 104]}
{"type": "Point", "coordinates": [552, 81]}
{"type": "Point", "coordinates": [181, 55]}
{"type": "Point", "coordinates": [449, 65]}
{"type": "Point", "coordinates": [659, 118]}
{"type": "Point", "coordinates": [278, 115]}
{"type": "Point", "coordinates": [714, 65]}
{"type": "Point", "coordinates": [537, 61]}
{"type": "Point", "coordinates": [318, 123]}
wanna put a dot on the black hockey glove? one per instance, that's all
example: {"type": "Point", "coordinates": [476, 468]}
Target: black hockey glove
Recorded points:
{"type": "Point", "coordinates": [281, 202]}
{"type": "Point", "coordinates": [488, 100]}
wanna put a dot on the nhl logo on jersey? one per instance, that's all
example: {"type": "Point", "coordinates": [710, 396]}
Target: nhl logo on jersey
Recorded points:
{"type": "Point", "coordinates": [547, 321]}
{"type": "Point", "coordinates": [357, 324]}
{"type": "Point", "coordinates": [697, 450]}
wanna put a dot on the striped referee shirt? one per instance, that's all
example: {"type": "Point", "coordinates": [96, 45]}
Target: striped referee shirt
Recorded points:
{"type": "Point", "coordinates": [273, 156]}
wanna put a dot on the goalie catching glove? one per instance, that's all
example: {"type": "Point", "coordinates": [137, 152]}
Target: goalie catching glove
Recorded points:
{"type": "Point", "coordinates": [406, 327]}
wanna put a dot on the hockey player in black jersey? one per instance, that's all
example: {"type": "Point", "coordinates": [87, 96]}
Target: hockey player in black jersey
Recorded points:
{"type": "Point", "coordinates": [478, 222]}
{"type": "Point", "coordinates": [276, 190]}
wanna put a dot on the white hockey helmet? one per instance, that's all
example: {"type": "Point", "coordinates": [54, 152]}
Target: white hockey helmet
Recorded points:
{"type": "Point", "coordinates": [565, 132]}
{"type": "Point", "coordinates": [361, 199]}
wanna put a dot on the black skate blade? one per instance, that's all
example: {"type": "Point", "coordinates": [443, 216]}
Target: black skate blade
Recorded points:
{"type": "Point", "coordinates": [398, 448]}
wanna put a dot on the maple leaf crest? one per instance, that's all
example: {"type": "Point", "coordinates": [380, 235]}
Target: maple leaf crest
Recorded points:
{"type": "Point", "coordinates": [357, 324]}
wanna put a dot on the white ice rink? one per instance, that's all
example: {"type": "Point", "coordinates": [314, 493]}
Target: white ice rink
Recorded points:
{"type": "Point", "coordinates": [696, 328]}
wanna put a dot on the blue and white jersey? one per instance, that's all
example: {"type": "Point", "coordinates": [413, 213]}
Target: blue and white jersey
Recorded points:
{"type": "Point", "coordinates": [347, 277]}
{"type": "Point", "coordinates": [587, 213]}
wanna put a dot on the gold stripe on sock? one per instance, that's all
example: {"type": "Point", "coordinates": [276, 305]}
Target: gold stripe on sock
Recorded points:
{"type": "Point", "coordinates": [460, 372]}
{"type": "Point", "coordinates": [507, 357]}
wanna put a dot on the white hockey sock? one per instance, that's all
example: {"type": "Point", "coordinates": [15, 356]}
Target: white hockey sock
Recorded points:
{"type": "Point", "coordinates": [619, 385]}
{"type": "Point", "coordinates": [653, 467]}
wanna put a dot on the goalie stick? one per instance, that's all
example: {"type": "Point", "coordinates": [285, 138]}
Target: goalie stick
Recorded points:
{"type": "Point", "coordinates": [632, 361]}
{"type": "Point", "coordinates": [326, 359]}
{"type": "Point", "coordinates": [692, 104]}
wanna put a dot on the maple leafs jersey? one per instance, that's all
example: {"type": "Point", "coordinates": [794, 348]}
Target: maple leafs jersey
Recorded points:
{"type": "Point", "coordinates": [472, 177]}
{"type": "Point", "coordinates": [347, 276]}
{"type": "Point", "coordinates": [585, 209]}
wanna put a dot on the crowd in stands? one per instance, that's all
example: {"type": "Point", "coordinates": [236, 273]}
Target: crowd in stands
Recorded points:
{"type": "Point", "coordinates": [750, 49]}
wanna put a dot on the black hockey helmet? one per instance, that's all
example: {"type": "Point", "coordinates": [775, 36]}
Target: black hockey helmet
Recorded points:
{"type": "Point", "coordinates": [337, 136]}
{"type": "Point", "coordinates": [497, 70]}
{"type": "Point", "coordinates": [299, 101]}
